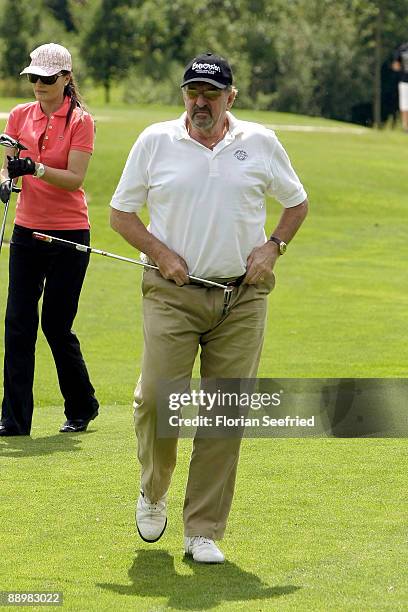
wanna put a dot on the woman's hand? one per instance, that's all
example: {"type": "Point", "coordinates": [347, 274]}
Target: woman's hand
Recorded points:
{"type": "Point", "coordinates": [70, 178]}
{"type": "Point", "coordinates": [5, 191]}
{"type": "Point", "coordinates": [20, 167]}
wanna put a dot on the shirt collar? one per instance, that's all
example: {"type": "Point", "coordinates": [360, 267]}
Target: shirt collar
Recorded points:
{"type": "Point", "coordinates": [181, 129]}
{"type": "Point", "coordinates": [62, 111]}
{"type": "Point", "coordinates": [234, 127]}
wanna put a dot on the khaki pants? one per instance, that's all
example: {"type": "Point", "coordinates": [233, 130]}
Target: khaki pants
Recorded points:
{"type": "Point", "coordinates": [177, 322]}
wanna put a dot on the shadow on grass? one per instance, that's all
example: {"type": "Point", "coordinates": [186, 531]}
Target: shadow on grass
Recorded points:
{"type": "Point", "coordinates": [24, 446]}
{"type": "Point", "coordinates": [153, 574]}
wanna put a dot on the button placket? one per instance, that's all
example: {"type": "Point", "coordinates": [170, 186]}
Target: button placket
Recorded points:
{"type": "Point", "coordinates": [213, 163]}
{"type": "Point", "coordinates": [49, 127]}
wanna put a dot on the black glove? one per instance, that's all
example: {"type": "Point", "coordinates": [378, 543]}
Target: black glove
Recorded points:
{"type": "Point", "coordinates": [19, 167]}
{"type": "Point", "coordinates": [5, 191]}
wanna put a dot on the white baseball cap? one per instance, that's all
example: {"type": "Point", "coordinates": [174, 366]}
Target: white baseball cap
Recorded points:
{"type": "Point", "coordinates": [48, 60]}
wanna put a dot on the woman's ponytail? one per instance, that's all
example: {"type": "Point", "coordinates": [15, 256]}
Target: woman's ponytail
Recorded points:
{"type": "Point", "coordinates": [71, 90]}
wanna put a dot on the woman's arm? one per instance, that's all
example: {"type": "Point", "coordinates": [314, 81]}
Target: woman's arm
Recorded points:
{"type": "Point", "coordinates": [3, 172]}
{"type": "Point", "coordinates": [71, 178]}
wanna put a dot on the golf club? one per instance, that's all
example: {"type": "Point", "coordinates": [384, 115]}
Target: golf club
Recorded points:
{"type": "Point", "coordinates": [86, 249]}
{"type": "Point", "coordinates": [11, 143]}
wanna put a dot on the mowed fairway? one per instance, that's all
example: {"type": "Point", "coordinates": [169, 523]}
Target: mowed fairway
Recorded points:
{"type": "Point", "coordinates": [316, 524]}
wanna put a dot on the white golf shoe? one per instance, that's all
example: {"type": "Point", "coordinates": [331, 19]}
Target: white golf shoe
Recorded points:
{"type": "Point", "coordinates": [151, 518]}
{"type": "Point", "coordinates": [203, 550]}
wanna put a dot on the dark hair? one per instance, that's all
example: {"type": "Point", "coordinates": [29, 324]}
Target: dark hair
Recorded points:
{"type": "Point", "coordinates": [71, 90]}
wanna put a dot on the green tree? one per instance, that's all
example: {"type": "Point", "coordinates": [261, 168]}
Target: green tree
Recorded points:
{"type": "Point", "coordinates": [108, 45]}
{"type": "Point", "coordinates": [383, 25]}
{"type": "Point", "coordinates": [15, 47]}
{"type": "Point", "coordinates": [317, 43]}
{"type": "Point", "coordinates": [62, 12]}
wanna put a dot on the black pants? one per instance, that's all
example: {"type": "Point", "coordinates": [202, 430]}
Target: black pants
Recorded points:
{"type": "Point", "coordinates": [35, 268]}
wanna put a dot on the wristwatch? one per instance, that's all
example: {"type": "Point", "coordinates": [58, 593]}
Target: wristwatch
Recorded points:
{"type": "Point", "coordinates": [40, 170]}
{"type": "Point", "coordinates": [281, 245]}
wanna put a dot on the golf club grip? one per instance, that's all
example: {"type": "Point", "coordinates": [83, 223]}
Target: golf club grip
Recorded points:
{"type": "Point", "coordinates": [87, 249]}
{"type": "Point", "coordinates": [67, 243]}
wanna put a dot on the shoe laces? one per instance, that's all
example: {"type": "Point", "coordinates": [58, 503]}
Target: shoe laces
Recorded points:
{"type": "Point", "coordinates": [200, 540]}
{"type": "Point", "coordinates": [152, 506]}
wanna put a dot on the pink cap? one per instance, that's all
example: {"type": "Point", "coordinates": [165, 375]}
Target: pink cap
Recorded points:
{"type": "Point", "coordinates": [48, 60]}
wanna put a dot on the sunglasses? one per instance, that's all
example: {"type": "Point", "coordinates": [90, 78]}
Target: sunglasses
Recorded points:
{"type": "Point", "coordinates": [46, 80]}
{"type": "Point", "coordinates": [210, 94]}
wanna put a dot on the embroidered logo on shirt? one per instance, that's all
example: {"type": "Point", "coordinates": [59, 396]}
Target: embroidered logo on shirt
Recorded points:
{"type": "Point", "coordinates": [240, 154]}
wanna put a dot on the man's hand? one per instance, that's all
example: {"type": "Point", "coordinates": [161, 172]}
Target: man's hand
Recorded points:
{"type": "Point", "coordinates": [260, 263]}
{"type": "Point", "coordinates": [172, 266]}
{"type": "Point", "coordinates": [20, 167]}
{"type": "Point", "coordinates": [262, 259]}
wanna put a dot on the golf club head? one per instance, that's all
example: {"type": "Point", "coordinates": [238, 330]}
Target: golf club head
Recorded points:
{"type": "Point", "coordinates": [12, 143]}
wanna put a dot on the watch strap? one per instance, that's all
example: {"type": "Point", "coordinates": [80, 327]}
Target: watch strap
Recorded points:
{"type": "Point", "coordinates": [281, 244]}
{"type": "Point", "coordinates": [40, 170]}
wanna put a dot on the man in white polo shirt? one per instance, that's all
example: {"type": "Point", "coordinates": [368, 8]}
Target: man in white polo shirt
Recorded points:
{"type": "Point", "coordinates": [204, 178]}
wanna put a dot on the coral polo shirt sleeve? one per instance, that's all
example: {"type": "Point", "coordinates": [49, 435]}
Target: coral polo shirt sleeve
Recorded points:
{"type": "Point", "coordinates": [82, 137]}
{"type": "Point", "coordinates": [11, 128]}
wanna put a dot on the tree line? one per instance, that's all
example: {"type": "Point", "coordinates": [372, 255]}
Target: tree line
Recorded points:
{"type": "Point", "coordinates": [316, 57]}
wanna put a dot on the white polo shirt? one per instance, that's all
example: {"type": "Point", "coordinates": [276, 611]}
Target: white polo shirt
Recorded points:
{"type": "Point", "coordinates": [208, 206]}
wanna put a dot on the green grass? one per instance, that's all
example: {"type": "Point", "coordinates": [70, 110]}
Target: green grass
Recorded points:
{"type": "Point", "coordinates": [316, 524]}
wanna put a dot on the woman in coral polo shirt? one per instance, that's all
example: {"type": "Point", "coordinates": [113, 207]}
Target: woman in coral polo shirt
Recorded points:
{"type": "Point", "coordinates": [59, 136]}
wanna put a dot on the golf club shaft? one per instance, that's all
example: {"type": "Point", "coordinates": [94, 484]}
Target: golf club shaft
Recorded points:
{"type": "Point", "coordinates": [88, 249]}
{"type": "Point", "coordinates": [6, 207]}
{"type": "Point", "coordinates": [10, 143]}
{"type": "Point", "coordinates": [3, 223]}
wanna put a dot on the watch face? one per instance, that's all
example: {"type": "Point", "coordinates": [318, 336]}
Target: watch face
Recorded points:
{"type": "Point", "coordinates": [281, 245]}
